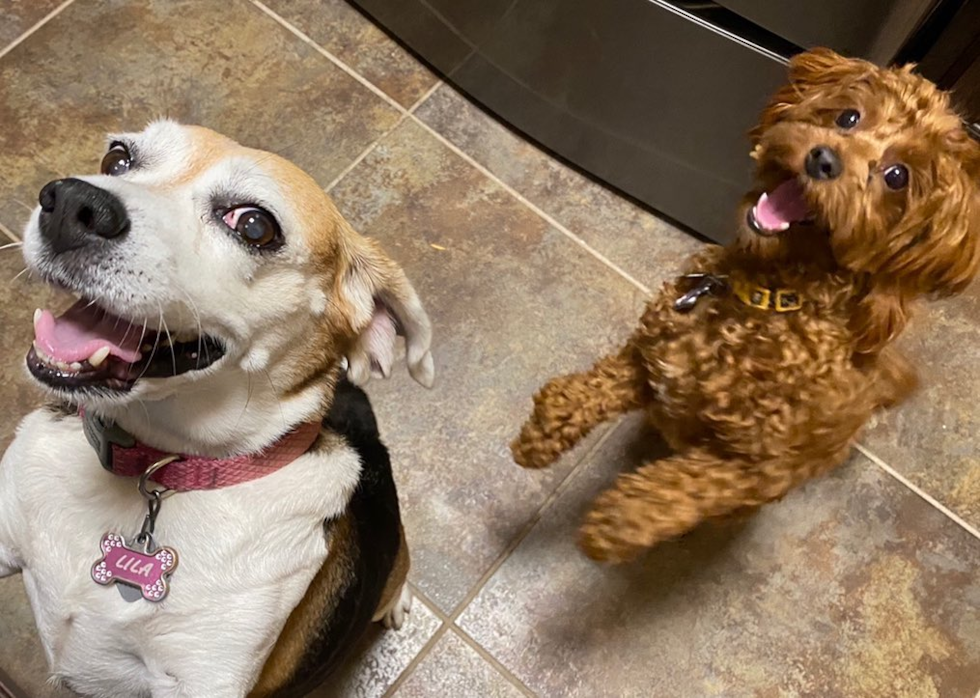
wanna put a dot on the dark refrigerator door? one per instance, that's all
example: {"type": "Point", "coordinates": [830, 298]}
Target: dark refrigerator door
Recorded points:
{"type": "Point", "coordinates": [643, 96]}
{"type": "Point", "coordinates": [873, 29]}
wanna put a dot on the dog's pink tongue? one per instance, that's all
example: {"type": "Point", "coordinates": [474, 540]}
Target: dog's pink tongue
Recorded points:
{"type": "Point", "coordinates": [780, 207]}
{"type": "Point", "coordinates": [84, 329]}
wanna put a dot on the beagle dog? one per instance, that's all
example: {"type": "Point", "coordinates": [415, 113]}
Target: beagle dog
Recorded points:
{"type": "Point", "coordinates": [206, 509]}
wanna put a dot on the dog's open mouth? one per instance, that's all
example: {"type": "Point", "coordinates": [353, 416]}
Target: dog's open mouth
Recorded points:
{"type": "Point", "coordinates": [777, 210]}
{"type": "Point", "coordinates": [88, 347]}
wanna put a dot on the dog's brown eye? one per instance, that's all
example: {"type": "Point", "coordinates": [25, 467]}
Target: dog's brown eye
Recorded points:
{"type": "Point", "coordinates": [848, 118]}
{"type": "Point", "coordinates": [253, 225]}
{"type": "Point", "coordinates": [117, 161]}
{"type": "Point", "coordinates": [897, 177]}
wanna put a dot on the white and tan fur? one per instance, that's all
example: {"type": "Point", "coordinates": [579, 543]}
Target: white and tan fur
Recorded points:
{"type": "Point", "coordinates": [247, 552]}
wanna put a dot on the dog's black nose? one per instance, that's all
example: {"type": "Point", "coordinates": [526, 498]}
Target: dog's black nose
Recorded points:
{"type": "Point", "coordinates": [823, 163]}
{"type": "Point", "coordinates": [73, 212]}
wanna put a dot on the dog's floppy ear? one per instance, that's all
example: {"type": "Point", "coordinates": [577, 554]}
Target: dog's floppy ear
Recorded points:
{"type": "Point", "coordinates": [934, 248]}
{"type": "Point", "coordinates": [379, 303]}
{"type": "Point", "coordinates": [816, 68]}
{"type": "Point", "coordinates": [938, 242]}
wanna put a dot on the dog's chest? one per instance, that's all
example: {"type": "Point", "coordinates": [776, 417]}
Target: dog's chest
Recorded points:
{"type": "Point", "coordinates": [722, 351]}
{"type": "Point", "coordinates": [246, 555]}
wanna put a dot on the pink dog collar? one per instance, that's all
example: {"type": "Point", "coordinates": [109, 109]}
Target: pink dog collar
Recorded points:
{"type": "Point", "coordinates": [138, 567]}
{"type": "Point", "coordinates": [121, 454]}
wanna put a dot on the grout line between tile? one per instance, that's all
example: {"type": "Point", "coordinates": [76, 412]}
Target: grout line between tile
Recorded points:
{"type": "Point", "coordinates": [919, 491]}
{"type": "Point", "coordinates": [9, 233]}
{"type": "Point", "coordinates": [449, 620]}
{"type": "Point", "coordinates": [416, 660]}
{"type": "Point", "coordinates": [550, 220]}
{"type": "Point", "coordinates": [370, 149]}
{"type": "Point", "coordinates": [364, 153]}
{"type": "Point", "coordinates": [7, 687]}
{"type": "Point", "coordinates": [449, 627]}
{"type": "Point", "coordinates": [44, 20]}
{"type": "Point", "coordinates": [427, 602]}
{"type": "Point", "coordinates": [329, 56]}
{"type": "Point", "coordinates": [427, 647]}
{"type": "Point", "coordinates": [428, 93]}
{"type": "Point", "coordinates": [492, 661]}
{"type": "Point", "coordinates": [529, 525]}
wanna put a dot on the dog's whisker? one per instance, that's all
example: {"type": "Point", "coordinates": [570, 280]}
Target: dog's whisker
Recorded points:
{"type": "Point", "coordinates": [11, 246]}
{"type": "Point", "coordinates": [200, 327]}
{"type": "Point", "coordinates": [146, 412]}
{"type": "Point", "coordinates": [19, 274]}
{"type": "Point", "coordinates": [272, 385]}
{"type": "Point", "coordinates": [248, 399]}
{"type": "Point", "coordinates": [153, 348]}
{"type": "Point", "coordinates": [129, 328]}
{"type": "Point", "coordinates": [173, 354]}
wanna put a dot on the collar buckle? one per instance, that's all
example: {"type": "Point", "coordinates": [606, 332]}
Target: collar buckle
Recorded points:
{"type": "Point", "coordinates": [103, 435]}
{"type": "Point", "coordinates": [699, 285]}
{"type": "Point", "coordinates": [787, 301]}
{"type": "Point", "coordinates": [780, 300]}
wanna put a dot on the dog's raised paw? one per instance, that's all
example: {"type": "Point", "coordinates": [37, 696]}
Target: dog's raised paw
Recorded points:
{"type": "Point", "coordinates": [394, 618]}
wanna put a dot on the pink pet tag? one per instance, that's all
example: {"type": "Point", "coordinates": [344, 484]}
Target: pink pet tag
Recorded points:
{"type": "Point", "coordinates": [148, 572]}
{"type": "Point", "coordinates": [143, 572]}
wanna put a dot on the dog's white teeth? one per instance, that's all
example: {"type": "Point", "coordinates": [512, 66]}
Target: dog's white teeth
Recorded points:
{"type": "Point", "coordinates": [98, 357]}
{"type": "Point", "coordinates": [37, 317]}
{"type": "Point", "coordinates": [783, 226]}
{"type": "Point", "coordinates": [75, 366]}
{"type": "Point", "coordinates": [764, 198]}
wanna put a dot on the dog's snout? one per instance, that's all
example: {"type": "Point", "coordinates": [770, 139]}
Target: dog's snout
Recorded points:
{"type": "Point", "coordinates": [74, 212]}
{"type": "Point", "coordinates": [823, 162]}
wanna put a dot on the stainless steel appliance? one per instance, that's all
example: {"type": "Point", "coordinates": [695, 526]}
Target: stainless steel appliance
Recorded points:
{"type": "Point", "coordinates": [652, 97]}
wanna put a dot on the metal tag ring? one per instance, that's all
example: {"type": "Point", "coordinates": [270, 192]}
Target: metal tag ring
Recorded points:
{"type": "Point", "coordinates": [161, 492]}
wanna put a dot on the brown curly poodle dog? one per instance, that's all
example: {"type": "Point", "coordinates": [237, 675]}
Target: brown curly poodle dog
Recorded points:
{"type": "Point", "coordinates": [761, 366]}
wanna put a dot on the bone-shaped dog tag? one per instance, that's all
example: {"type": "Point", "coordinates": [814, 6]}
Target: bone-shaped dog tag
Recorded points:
{"type": "Point", "coordinates": [148, 571]}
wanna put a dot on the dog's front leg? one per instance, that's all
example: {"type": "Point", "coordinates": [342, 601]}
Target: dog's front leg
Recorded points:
{"type": "Point", "coordinates": [10, 561]}
{"type": "Point", "coordinates": [567, 408]}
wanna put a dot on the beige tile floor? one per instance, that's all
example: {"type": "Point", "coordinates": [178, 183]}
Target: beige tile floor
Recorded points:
{"type": "Point", "coordinates": [864, 583]}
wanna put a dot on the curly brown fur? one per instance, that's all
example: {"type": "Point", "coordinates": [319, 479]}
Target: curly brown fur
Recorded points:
{"type": "Point", "coordinates": [567, 408]}
{"type": "Point", "coordinates": [755, 402]}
